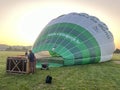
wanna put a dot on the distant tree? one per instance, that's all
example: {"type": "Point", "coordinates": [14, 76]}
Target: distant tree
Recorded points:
{"type": "Point", "coordinates": [117, 51]}
{"type": "Point", "coordinates": [24, 49]}
{"type": "Point", "coordinates": [9, 48]}
{"type": "Point", "coordinates": [18, 48]}
{"type": "Point", "coordinates": [15, 49]}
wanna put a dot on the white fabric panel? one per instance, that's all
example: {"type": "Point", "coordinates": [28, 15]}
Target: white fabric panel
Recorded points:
{"type": "Point", "coordinates": [97, 28]}
{"type": "Point", "coordinates": [106, 58]}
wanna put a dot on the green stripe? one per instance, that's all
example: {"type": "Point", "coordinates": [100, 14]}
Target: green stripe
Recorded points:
{"type": "Point", "coordinates": [83, 48]}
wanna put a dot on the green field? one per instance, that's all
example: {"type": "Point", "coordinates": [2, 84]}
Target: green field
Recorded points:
{"type": "Point", "coordinates": [100, 76]}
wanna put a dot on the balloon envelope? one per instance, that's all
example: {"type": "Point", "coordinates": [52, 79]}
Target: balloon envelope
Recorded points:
{"type": "Point", "coordinates": [78, 38]}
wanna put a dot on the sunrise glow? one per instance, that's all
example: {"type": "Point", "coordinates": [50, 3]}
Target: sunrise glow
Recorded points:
{"type": "Point", "coordinates": [22, 21]}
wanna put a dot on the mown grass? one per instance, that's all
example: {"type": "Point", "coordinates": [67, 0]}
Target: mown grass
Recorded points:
{"type": "Point", "coordinates": [100, 76]}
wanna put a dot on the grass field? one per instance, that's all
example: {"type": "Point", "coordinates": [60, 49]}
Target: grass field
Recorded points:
{"type": "Point", "coordinates": [100, 76]}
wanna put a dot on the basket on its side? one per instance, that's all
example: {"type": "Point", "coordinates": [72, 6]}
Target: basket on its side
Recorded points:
{"type": "Point", "coordinates": [18, 64]}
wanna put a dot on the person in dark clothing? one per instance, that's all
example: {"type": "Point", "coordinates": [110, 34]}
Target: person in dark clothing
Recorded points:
{"type": "Point", "coordinates": [31, 58]}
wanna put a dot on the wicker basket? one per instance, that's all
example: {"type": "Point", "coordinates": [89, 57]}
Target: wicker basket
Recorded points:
{"type": "Point", "coordinates": [18, 64]}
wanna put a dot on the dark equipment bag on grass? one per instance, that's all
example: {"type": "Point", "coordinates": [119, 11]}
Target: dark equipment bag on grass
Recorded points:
{"type": "Point", "coordinates": [48, 79]}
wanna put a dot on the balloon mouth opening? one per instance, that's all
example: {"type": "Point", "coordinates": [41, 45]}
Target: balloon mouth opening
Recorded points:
{"type": "Point", "coordinates": [51, 58]}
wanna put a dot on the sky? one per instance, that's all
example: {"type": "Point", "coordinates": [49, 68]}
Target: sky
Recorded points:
{"type": "Point", "coordinates": [21, 21]}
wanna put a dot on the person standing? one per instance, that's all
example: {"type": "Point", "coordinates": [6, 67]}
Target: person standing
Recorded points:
{"type": "Point", "coordinates": [31, 58]}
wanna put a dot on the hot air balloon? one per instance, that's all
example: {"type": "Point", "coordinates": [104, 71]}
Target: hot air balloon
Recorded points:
{"type": "Point", "coordinates": [76, 37]}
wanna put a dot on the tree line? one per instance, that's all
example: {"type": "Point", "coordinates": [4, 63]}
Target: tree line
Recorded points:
{"type": "Point", "coordinates": [117, 51]}
{"type": "Point", "coordinates": [18, 48]}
